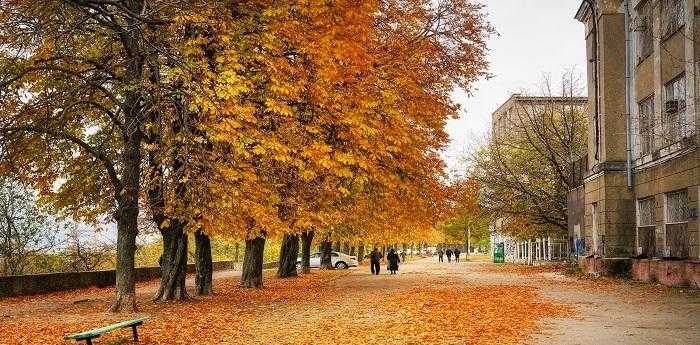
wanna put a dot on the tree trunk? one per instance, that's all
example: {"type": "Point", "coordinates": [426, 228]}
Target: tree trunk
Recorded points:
{"type": "Point", "coordinates": [173, 266]}
{"type": "Point", "coordinates": [127, 216]}
{"type": "Point", "coordinates": [203, 263]}
{"type": "Point", "coordinates": [360, 252]}
{"type": "Point", "coordinates": [306, 239]}
{"type": "Point", "coordinates": [353, 251]}
{"type": "Point", "coordinates": [336, 246]}
{"type": "Point", "coordinates": [251, 277]}
{"type": "Point", "coordinates": [346, 248]}
{"type": "Point", "coordinates": [326, 261]}
{"type": "Point", "coordinates": [288, 256]}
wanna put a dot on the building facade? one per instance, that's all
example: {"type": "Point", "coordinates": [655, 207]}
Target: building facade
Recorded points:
{"type": "Point", "coordinates": [637, 203]}
{"type": "Point", "coordinates": [514, 111]}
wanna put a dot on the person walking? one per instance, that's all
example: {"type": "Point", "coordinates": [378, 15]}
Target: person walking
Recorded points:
{"type": "Point", "coordinates": [394, 260]}
{"type": "Point", "coordinates": [448, 252]}
{"type": "Point", "coordinates": [457, 252]}
{"type": "Point", "coordinates": [440, 254]}
{"type": "Point", "coordinates": [374, 258]}
{"type": "Point", "coordinates": [403, 256]}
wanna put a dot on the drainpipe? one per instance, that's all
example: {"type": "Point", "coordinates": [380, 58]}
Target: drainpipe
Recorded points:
{"type": "Point", "coordinates": [628, 91]}
{"type": "Point", "coordinates": [596, 91]}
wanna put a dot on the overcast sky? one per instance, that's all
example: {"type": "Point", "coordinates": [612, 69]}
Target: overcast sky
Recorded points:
{"type": "Point", "coordinates": [536, 37]}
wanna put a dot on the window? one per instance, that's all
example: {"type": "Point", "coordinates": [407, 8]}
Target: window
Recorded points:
{"type": "Point", "coordinates": [645, 32]}
{"type": "Point", "coordinates": [645, 131]}
{"type": "Point", "coordinates": [645, 216]}
{"type": "Point", "coordinates": [676, 125]}
{"type": "Point", "coordinates": [677, 207]}
{"type": "Point", "coordinates": [677, 242]}
{"type": "Point", "coordinates": [646, 229]}
{"type": "Point", "coordinates": [673, 16]}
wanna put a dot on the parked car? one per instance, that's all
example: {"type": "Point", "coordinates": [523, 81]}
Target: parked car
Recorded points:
{"type": "Point", "coordinates": [338, 260]}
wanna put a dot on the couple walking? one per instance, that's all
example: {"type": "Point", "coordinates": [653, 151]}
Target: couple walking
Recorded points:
{"type": "Point", "coordinates": [376, 257]}
{"type": "Point", "coordinates": [449, 252]}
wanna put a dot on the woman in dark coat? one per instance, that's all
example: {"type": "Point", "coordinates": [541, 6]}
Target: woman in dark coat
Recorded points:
{"type": "Point", "coordinates": [394, 260]}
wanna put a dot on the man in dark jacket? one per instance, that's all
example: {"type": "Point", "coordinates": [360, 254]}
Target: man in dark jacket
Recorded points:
{"type": "Point", "coordinates": [440, 254]}
{"type": "Point", "coordinates": [457, 252]}
{"type": "Point", "coordinates": [374, 258]}
{"type": "Point", "coordinates": [448, 252]}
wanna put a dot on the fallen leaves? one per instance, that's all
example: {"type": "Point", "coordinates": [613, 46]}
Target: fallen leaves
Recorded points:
{"type": "Point", "coordinates": [323, 307]}
{"type": "Point", "coordinates": [521, 269]}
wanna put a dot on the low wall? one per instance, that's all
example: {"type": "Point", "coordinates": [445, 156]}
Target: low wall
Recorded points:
{"type": "Point", "coordinates": [605, 266]}
{"type": "Point", "coordinates": [667, 272]}
{"type": "Point", "coordinates": [51, 282]}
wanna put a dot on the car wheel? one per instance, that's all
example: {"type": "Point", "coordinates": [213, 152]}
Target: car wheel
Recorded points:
{"type": "Point", "coordinates": [341, 266]}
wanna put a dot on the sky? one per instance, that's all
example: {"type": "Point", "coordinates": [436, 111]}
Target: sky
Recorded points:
{"type": "Point", "coordinates": [535, 38]}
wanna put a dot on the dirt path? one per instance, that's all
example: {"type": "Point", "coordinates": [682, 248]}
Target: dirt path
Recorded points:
{"type": "Point", "coordinates": [428, 302]}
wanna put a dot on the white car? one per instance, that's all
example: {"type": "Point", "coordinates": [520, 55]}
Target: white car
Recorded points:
{"type": "Point", "coordinates": [339, 260]}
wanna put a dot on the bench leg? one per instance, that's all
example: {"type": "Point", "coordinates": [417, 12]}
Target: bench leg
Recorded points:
{"type": "Point", "coordinates": [136, 333]}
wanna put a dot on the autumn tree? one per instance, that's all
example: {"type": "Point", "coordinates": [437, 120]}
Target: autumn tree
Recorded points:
{"type": "Point", "coordinates": [524, 174]}
{"type": "Point", "coordinates": [76, 94]}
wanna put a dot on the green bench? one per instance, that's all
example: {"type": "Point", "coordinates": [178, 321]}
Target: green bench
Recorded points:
{"type": "Point", "coordinates": [87, 336]}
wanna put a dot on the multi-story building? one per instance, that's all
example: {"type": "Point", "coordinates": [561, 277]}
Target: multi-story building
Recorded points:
{"type": "Point", "coordinates": [637, 204]}
{"type": "Point", "coordinates": [514, 111]}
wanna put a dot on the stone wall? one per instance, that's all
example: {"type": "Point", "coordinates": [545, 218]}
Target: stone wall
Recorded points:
{"type": "Point", "coordinates": [667, 272]}
{"type": "Point", "coordinates": [52, 282]}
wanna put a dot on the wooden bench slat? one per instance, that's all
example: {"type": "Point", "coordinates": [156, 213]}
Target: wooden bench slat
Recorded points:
{"type": "Point", "coordinates": [94, 333]}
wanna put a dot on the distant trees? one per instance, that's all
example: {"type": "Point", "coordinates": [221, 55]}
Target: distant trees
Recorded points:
{"type": "Point", "coordinates": [25, 230]}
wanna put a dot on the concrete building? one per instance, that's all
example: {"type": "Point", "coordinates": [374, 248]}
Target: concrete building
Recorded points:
{"type": "Point", "coordinates": [636, 209]}
{"type": "Point", "coordinates": [508, 115]}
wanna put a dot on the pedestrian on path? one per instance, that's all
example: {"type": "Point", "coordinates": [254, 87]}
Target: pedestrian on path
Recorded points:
{"type": "Point", "coordinates": [374, 258]}
{"type": "Point", "coordinates": [394, 260]}
{"type": "Point", "coordinates": [457, 252]}
{"type": "Point", "coordinates": [440, 254]}
{"type": "Point", "coordinates": [448, 252]}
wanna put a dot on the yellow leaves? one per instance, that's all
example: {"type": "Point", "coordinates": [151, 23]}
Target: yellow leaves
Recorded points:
{"type": "Point", "coordinates": [259, 150]}
{"type": "Point", "coordinates": [165, 224]}
{"type": "Point", "coordinates": [307, 175]}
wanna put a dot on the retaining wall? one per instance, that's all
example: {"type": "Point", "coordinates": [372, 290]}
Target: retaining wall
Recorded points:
{"type": "Point", "coordinates": [50, 282]}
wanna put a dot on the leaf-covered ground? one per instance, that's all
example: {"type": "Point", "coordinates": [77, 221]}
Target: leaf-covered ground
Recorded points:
{"type": "Point", "coordinates": [427, 302]}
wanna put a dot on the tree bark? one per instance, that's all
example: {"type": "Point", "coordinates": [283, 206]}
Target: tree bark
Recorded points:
{"type": "Point", "coordinates": [336, 246]}
{"type": "Point", "coordinates": [346, 248]}
{"type": "Point", "coordinates": [360, 252]}
{"type": "Point", "coordinates": [128, 209]}
{"type": "Point", "coordinates": [173, 267]}
{"type": "Point", "coordinates": [288, 256]}
{"type": "Point", "coordinates": [353, 250]}
{"type": "Point", "coordinates": [204, 264]}
{"type": "Point", "coordinates": [251, 277]}
{"type": "Point", "coordinates": [306, 239]}
{"type": "Point", "coordinates": [326, 261]}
